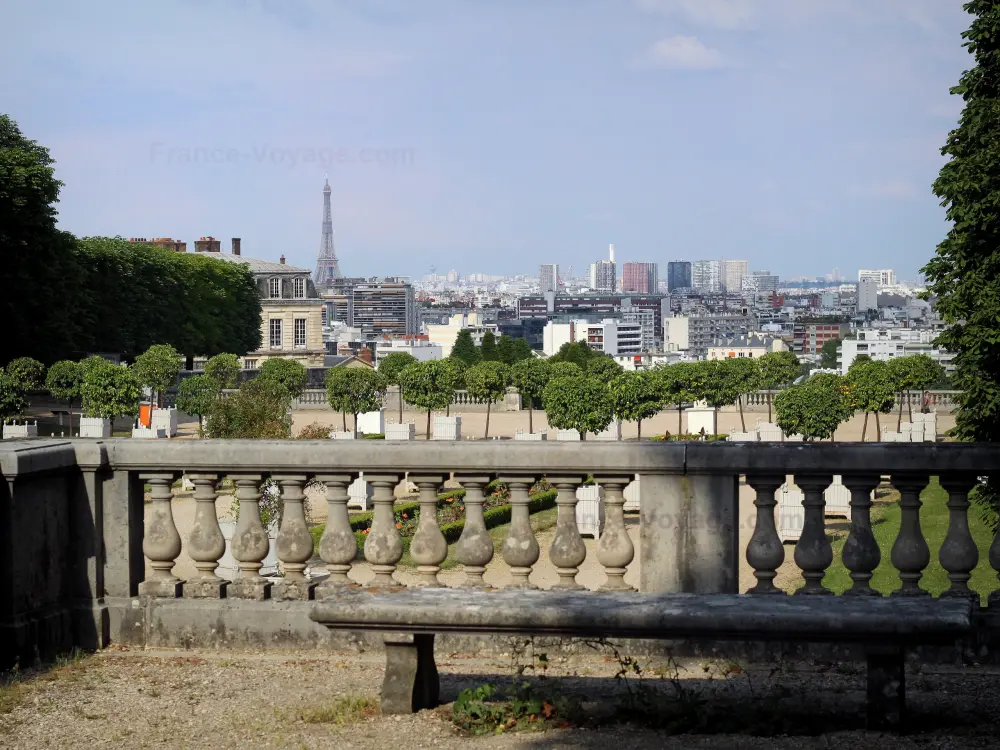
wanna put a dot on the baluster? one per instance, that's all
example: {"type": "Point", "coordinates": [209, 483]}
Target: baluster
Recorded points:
{"type": "Point", "coordinates": [475, 546]}
{"type": "Point", "coordinates": [383, 547]}
{"type": "Point", "coordinates": [861, 554]}
{"type": "Point", "coordinates": [813, 553]}
{"type": "Point", "coordinates": [959, 554]}
{"type": "Point", "coordinates": [161, 543]}
{"type": "Point", "coordinates": [250, 543]}
{"type": "Point", "coordinates": [520, 548]}
{"type": "Point", "coordinates": [428, 548]}
{"type": "Point", "coordinates": [294, 542]}
{"type": "Point", "coordinates": [568, 550]}
{"type": "Point", "coordinates": [338, 546]}
{"type": "Point", "coordinates": [765, 552]}
{"type": "Point", "coordinates": [910, 553]}
{"type": "Point", "coordinates": [614, 547]}
{"type": "Point", "coordinates": [205, 543]}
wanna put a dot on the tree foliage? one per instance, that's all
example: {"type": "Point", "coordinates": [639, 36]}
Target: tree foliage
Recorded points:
{"type": "Point", "coordinates": [488, 381]}
{"type": "Point", "coordinates": [604, 368]}
{"type": "Point", "coordinates": [636, 396]}
{"type": "Point", "coordinates": [465, 348]}
{"type": "Point", "coordinates": [13, 399]}
{"type": "Point", "coordinates": [829, 354]}
{"type": "Point", "coordinates": [64, 379]}
{"type": "Point", "coordinates": [29, 372]}
{"type": "Point", "coordinates": [578, 403]}
{"type": "Point", "coordinates": [778, 369]}
{"type": "Point", "coordinates": [428, 385]}
{"type": "Point", "coordinates": [741, 375]}
{"type": "Point", "coordinates": [522, 350]}
{"type": "Point", "coordinates": [815, 408]}
{"type": "Point", "coordinates": [564, 369]}
{"type": "Point", "coordinates": [258, 410]}
{"type": "Point", "coordinates": [196, 395]}
{"type": "Point", "coordinates": [355, 390]}
{"type": "Point", "coordinates": [488, 348]}
{"type": "Point", "coordinates": [578, 353]}
{"type": "Point", "coordinates": [110, 391]}
{"type": "Point", "coordinates": [223, 369]}
{"type": "Point", "coordinates": [530, 376]}
{"type": "Point", "coordinates": [390, 367]}
{"type": "Point", "coordinates": [680, 384]}
{"type": "Point", "coordinates": [872, 388]}
{"type": "Point", "coordinates": [157, 367]}
{"type": "Point", "coordinates": [285, 373]}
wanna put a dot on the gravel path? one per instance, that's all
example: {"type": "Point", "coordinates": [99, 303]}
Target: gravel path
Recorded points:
{"type": "Point", "coordinates": [123, 699]}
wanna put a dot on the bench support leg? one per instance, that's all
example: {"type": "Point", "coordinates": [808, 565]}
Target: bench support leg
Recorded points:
{"type": "Point", "coordinates": [411, 677]}
{"type": "Point", "coordinates": [886, 690]}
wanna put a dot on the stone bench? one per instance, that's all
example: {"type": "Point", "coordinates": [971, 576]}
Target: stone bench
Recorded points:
{"type": "Point", "coordinates": [884, 627]}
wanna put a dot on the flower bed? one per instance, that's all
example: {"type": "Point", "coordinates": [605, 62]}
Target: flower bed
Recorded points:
{"type": "Point", "coordinates": [685, 437]}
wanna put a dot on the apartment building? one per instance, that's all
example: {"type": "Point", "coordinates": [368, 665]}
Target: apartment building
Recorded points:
{"type": "Point", "coordinates": [751, 346]}
{"type": "Point", "coordinates": [706, 276]}
{"type": "Point", "coordinates": [614, 337]}
{"type": "Point", "coordinates": [603, 276]}
{"type": "Point", "coordinates": [384, 307]}
{"type": "Point", "coordinates": [678, 275]}
{"type": "Point", "coordinates": [641, 278]}
{"type": "Point", "coordinates": [733, 272]}
{"type": "Point", "coordinates": [548, 278]}
{"type": "Point", "coordinates": [885, 344]}
{"type": "Point", "coordinates": [809, 338]}
{"type": "Point", "coordinates": [697, 331]}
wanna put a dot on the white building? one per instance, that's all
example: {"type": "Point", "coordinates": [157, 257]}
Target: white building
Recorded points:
{"type": "Point", "coordinates": [752, 346]}
{"type": "Point", "coordinates": [706, 275]}
{"type": "Point", "coordinates": [760, 282]}
{"type": "Point", "coordinates": [885, 344]}
{"type": "Point", "coordinates": [548, 278]}
{"type": "Point", "coordinates": [867, 294]}
{"type": "Point", "coordinates": [882, 277]}
{"type": "Point", "coordinates": [614, 337]}
{"type": "Point", "coordinates": [420, 348]}
{"type": "Point", "coordinates": [602, 276]}
{"type": "Point", "coordinates": [444, 335]}
{"type": "Point", "coordinates": [696, 332]}
{"type": "Point", "coordinates": [733, 272]}
{"type": "Point", "coordinates": [646, 318]}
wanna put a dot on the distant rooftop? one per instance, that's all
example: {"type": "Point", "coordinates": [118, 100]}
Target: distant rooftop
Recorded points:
{"type": "Point", "coordinates": [256, 265]}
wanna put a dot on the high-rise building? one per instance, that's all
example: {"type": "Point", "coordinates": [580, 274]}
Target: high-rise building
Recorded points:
{"type": "Point", "coordinates": [602, 276]}
{"type": "Point", "coordinates": [642, 278]}
{"type": "Point", "coordinates": [867, 295]}
{"type": "Point", "coordinates": [732, 273]}
{"type": "Point", "coordinates": [882, 277]}
{"type": "Point", "coordinates": [760, 282]}
{"type": "Point", "coordinates": [706, 276]}
{"type": "Point", "coordinates": [548, 278]}
{"type": "Point", "coordinates": [678, 275]}
{"type": "Point", "coordinates": [384, 308]}
{"type": "Point", "coordinates": [327, 265]}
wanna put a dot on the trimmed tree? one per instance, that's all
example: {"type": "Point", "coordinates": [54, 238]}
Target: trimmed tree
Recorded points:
{"type": "Point", "coordinates": [716, 384]}
{"type": "Point", "coordinates": [636, 396]}
{"type": "Point", "coordinates": [427, 385]}
{"type": "Point", "coordinates": [29, 372]}
{"type": "Point", "coordinates": [12, 396]}
{"type": "Point", "coordinates": [522, 350]}
{"type": "Point", "coordinates": [110, 391]}
{"type": "Point", "coordinates": [578, 403]}
{"type": "Point", "coordinates": [63, 382]}
{"type": "Point", "coordinates": [563, 369]}
{"type": "Point", "coordinates": [873, 391]}
{"type": "Point", "coordinates": [741, 376]}
{"type": "Point", "coordinates": [224, 369]}
{"type": "Point", "coordinates": [777, 370]}
{"type": "Point", "coordinates": [258, 410]}
{"type": "Point", "coordinates": [455, 370]}
{"type": "Point", "coordinates": [196, 395]}
{"type": "Point", "coordinates": [505, 350]}
{"type": "Point", "coordinates": [389, 369]}
{"type": "Point", "coordinates": [829, 354]}
{"type": "Point", "coordinates": [157, 368]}
{"type": "Point", "coordinates": [465, 349]}
{"type": "Point", "coordinates": [488, 349]}
{"type": "Point", "coordinates": [285, 373]}
{"type": "Point", "coordinates": [488, 381]}
{"type": "Point", "coordinates": [354, 390]}
{"type": "Point", "coordinates": [815, 408]}
{"type": "Point", "coordinates": [530, 376]}
{"type": "Point", "coordinates": [679, 385]}
{"type": "Point", "coordinates": [604, 367]}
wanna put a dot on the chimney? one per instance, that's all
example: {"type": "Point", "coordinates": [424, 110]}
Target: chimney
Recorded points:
{"type": "Point", "coordinates": [365, 355]}
{"type": "Point", "coordinates": [611, 251]}
{"type": "Point", "coordinates": [236, 245]}
{"type": "Point", "coordinates": [281, 260]}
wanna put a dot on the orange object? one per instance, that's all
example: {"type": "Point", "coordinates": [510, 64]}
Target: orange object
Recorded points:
{"type": "Point", "coordinates": [146, 415]}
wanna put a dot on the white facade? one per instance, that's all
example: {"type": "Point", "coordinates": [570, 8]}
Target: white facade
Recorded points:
{"type": "Point", "coordinates": [733, 272]}
{"type": "Point", "coordinates": [602, 276]}
{"type": "Point", "coordinates": [885, 344]}
{"type": "Point", "coordinates": [548, 278]}
{"type": "Point", "coordinates": [706, 275]}
{"type": "Point", "coordinates": [614, 337]}
{"type": "Point", "coordinates": [867, 295]}
{"type": "Point", "coordinates": [746, 347]}
{"type": "Point", "coordinates": [698, 331]}
{"type": "Point", "coordinates": [882, 276]}
{"type": "Point", "coordinates": [444, 335]}
{"type": "Point", "coordinates": [556, 334]}
{"type": "Point", "coordinates": [421, 350]}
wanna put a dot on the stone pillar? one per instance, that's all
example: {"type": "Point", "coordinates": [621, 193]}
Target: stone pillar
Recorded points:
{"type": "Point", "coordinates": [568, 551]}
{"type": "Point", "coordinates": [910, 553]}
{"type": "Point", "coordinates": [384, 547]}
{"type": "Point", "coordinates": [614, 547]}
{"type": "Point", "coordinates": [688, 532]}
{"type": "Point", "coordinates": [475, 547]}
{"type": "Point", "coordinates": [205, 543]}
{"type": "Point", "coordinates": [161, 543]}
{"type": "Point", "coordinates": [520, 548]}
{"type": "Point", "coordinates": [250, 543]}
{"type": "Point", "coordinates": [338, 546]}
{"type": "Point", "coordinates": [294, 542]}
{"type": "Point", "coordinates": [428, 548]}
{"type": "Point", "coordinates": [813, 553]}
{"type": "Point", "coordinates": [861, 554]}
{"type": "Point", "coordinates": [959, 554]}
{"type": "Point", "coordinates": [765, 552]}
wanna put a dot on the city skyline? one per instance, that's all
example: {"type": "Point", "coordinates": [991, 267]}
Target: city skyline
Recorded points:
{"type": "Point", "coordinates": [661, 137]}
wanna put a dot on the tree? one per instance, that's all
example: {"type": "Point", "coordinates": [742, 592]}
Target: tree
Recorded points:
{"type": "Point", "coordinates": [636, 396]}
{"type": "Point", "coordinates": [465, 349]}
{"type": "Point", "coordinates": [488, 381]}
{"type": "Point", "coordinates": [488, 349]}
{"type": "Point", "coordinates": [258, 410]}
{"type": "Point", "coordinates": [715, 385]}
{"type": "Point", "coordinates": [389, 369]}
{"type": "Point", "coordinates": [530, 376]}
{"type": "Point", "coordinates": [354, 390]}
{"type": "Point", "coordinates": [63, 382]}
{"type": "Point", "coordinates": [741, 375]}
{"type": "Point", "coordinates": [578, 403]}
{"type": "Point", "coordinates": [815, 408]}
{"type": "Point", "coordinates": [679, 385]}
{"type": "Point", "coordinates": [12, 396]}
{"type": "Point", "coordinates": [110, 391]}
{"type": "Point", "coordinates": [522, 350]}
{"type": "Point", "coordinates": [563, 369]}
{"type": "Point", "coordinates": [427, 385]}
{"type": "Point", "coordinates": [505, 350]}
{"type": "Point", "coordinates": [873, 390]}
{"type": "Point", "coordinates": [454, 373]}
{"type": "Point", "coordinates": [223, 369]}
{"type": "Point", "coordinates": [196, 395]}
{"type": "Point", "coordinates": [29, 372]}
{"type": "Point", "coordinates": [917, 372]}
{"type": "Point", "coordinates": [829, 352]}
{"type": "Point", "coordinates": [604, 367]}
{"type": "Point", "coordinates": [157, 368]}
{"type": "Point", "coordinates": [286, 373]}
{"type": "Point", "coordinates": [578, 353]}
{"type": "Point", "coordinates": [777, 370]}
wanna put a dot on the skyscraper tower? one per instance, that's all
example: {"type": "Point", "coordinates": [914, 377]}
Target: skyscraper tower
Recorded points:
{"type": "Point", "coordinates": [327, 267]}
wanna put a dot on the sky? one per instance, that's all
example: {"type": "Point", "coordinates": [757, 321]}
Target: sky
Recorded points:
{"type": "Point", "coordinates": [491, 136]}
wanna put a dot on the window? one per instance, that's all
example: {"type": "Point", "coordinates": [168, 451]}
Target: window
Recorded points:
{"type": "Point", "coordinates": [275, 333]}
{"type": "Point", "coordinates": [299, 288]}
{"type": "Point", "coordinates": [274, 288]}
{"type": "Point", "coordinates": [249, 364]}
{"type": "Point", "coordinates": [300, 332]}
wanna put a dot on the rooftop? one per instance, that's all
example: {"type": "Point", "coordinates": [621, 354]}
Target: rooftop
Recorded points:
{"type": "Point", "coordinates": [256, 265]}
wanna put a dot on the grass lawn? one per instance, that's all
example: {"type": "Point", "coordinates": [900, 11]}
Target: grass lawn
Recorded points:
{"type": "Point", "coordinates": [934, 522]}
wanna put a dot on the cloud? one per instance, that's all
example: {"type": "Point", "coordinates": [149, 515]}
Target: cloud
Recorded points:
{"type": "Point", "coordinates": [893, 189]}
{"type": "Point", "coordinates": [721, 14]}
{"type": "Point", "coordinates": [683, 53]}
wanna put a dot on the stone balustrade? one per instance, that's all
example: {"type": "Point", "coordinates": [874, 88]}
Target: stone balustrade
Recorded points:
{"type": "Point", "coordinates": [104, 513]}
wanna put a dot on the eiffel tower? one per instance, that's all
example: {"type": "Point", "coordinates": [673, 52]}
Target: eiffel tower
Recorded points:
{"type": "Point", "coordinates": [327, 266]}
